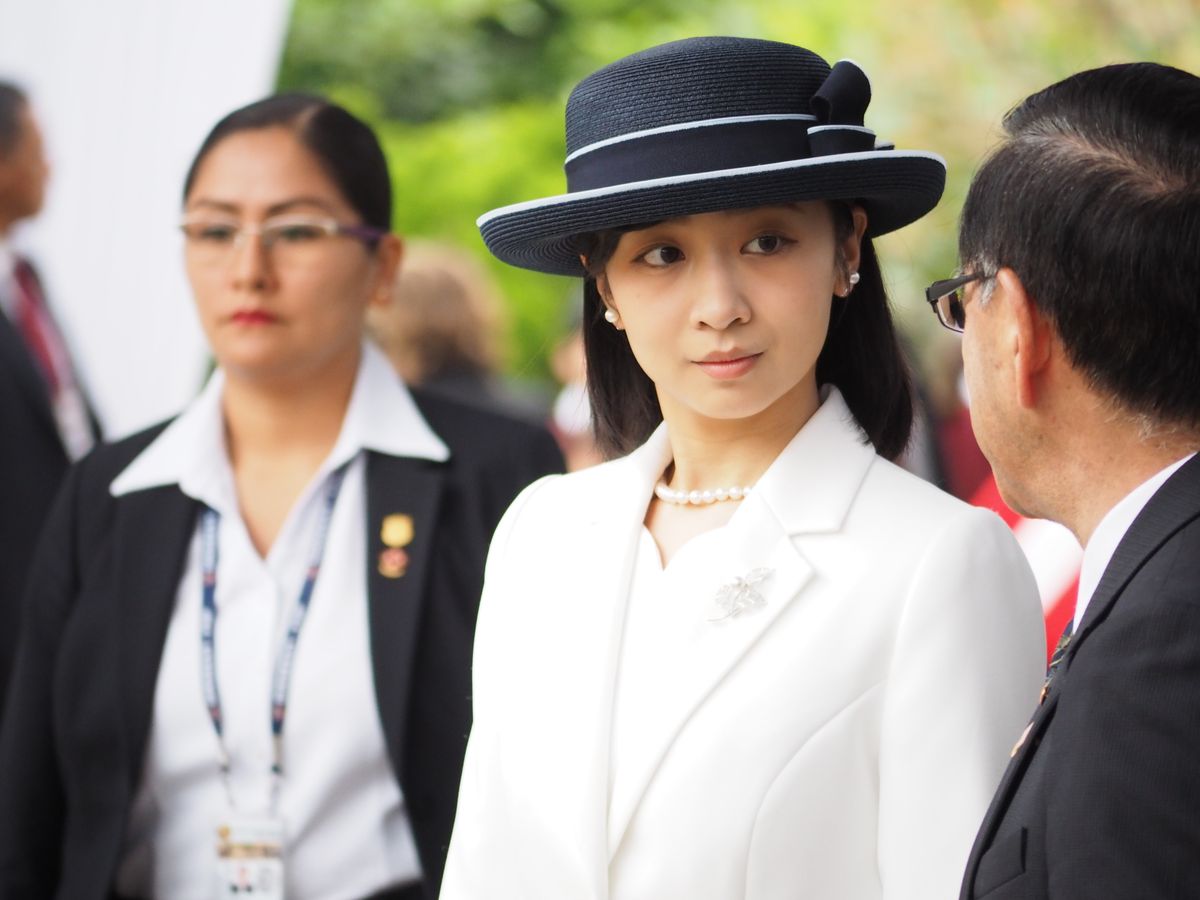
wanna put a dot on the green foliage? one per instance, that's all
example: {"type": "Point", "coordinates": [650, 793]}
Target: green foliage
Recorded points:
{"type": "Point", "coordinates": [468, 98]}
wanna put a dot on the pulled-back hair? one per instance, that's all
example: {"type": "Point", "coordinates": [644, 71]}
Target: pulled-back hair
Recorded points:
{"type": "Point", "coordinates": [861, 357]}
{"type": "Point", "coordinates": [344, 145]}
{"type": "Point", "coordinates": [1094, 202]}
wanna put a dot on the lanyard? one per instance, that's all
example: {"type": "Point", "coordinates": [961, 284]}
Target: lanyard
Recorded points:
{"type": "Point", "coordinates": [281, 678]}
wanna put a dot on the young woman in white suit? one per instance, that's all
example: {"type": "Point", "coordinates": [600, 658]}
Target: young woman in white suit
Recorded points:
{"type": "Point", "coordinates": [752, 658]}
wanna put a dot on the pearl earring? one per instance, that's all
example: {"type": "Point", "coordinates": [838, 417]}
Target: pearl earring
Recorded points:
{"type": "Point", "coordinates": [610, 316]}
{"type": "Point", "coordinates": [855, 278]}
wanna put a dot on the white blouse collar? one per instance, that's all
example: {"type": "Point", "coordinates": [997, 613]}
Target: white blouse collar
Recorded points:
{"type": "Point", "coordinates": [191, 453]}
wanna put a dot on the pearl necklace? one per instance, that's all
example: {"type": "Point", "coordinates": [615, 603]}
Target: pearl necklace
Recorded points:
{"type": "Point", "coordinates": [698, 498]}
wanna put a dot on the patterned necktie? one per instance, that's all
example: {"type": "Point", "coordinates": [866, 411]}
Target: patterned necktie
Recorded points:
{"type": "Point", "coordinates": [1060, 650]}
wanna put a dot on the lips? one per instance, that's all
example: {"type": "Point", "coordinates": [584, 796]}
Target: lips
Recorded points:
{"type": "Point", "coordinates": [253, 317]}
{"type": "Point", "coordinates": [730, 364]}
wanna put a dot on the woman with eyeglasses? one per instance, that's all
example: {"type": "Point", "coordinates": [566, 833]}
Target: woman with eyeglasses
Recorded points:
{"type": "Point", "coordinates": [751, 657]}
{"type": "Point", "coordinates": [245, 662]}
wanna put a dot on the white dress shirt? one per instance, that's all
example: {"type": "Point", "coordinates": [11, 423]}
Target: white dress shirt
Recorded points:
{"type": "Point", "coordinates": [8, 298]}
{"type": "Point", "coordinates": [1108, 534]}
{"type": "Point", "coordinates": [347, 834]}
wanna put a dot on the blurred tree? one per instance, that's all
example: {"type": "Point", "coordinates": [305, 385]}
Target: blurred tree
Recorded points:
{"type": "Point", "coordinates": [468, 97]}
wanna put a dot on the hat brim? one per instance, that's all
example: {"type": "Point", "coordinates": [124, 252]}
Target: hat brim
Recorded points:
{"type": "Point", "coordinates": [895, 188]}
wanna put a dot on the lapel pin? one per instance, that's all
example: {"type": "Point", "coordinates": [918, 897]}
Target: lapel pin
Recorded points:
{"type": "Point", "coordinates": [396, 533]}
{"type": "Point", "coordinates": [1021, 740]}
{"type": "Point", "coordinates": [397, 530]}
{"type": "Point", "coordinates": [393, 562]}
{"type": "Point", "coordinates": [740, 595]}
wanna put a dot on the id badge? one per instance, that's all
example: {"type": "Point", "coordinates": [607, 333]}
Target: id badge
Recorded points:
{"type": "Point", "coordinates": [250, 858]}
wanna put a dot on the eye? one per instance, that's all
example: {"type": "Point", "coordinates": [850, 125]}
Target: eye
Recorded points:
{"type": "Point", "coordinates": [295, 232]}
{"type": "Point", "coordinates": [661, 257]}
{"type": "Point", "coordinates": [211, 232]}
{"type": "Point", "coordinates": [766, 244]}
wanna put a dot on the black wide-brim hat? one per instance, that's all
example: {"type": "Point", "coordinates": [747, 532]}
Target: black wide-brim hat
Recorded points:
{"type": "Point", "coordinates": [708, 124]}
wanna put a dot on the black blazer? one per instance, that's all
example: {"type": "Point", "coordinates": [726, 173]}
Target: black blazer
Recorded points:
{"type": "Point", "coordinates": [33, 463]}
{"type": "Point", "coordinates": [101, 597]}
{"type": "Point", "coordinates": [1103, 798]}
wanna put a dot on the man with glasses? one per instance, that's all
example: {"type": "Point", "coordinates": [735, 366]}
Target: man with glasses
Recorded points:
{"type": "Point", "coordinates": [1080, 312]}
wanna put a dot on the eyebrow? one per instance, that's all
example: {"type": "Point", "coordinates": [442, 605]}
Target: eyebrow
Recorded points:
{"type": "Point", "coordinates": [272, 210]}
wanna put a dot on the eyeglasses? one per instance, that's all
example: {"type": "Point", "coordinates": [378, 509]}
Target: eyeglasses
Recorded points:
{"type": "Point", "coordinates": [287, 238]}
{"type": "Point", "coordinates": [946, 298]}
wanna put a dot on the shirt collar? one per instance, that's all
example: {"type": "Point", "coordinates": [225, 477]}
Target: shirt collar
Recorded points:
{"type": "Point", "coordinates": [8, 261]}
{"type": "Point", "coordinates": [1108, 534]}
{"type": "Point", "coordinates": [190, 452]}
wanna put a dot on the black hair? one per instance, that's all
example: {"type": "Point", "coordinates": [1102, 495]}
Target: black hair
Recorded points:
{"type": "Point", "coordinates": [345, 146]}
{"type": "Point", "coordinates": [862, 357]}
{"type": "Point", "coordinates": [13, 101]}
{"type": "Point", "coordinates": [1093, 200]}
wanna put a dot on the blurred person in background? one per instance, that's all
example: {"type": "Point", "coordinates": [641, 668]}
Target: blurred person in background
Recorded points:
{"type": "Point", "coordinates": [45, 419]}
{"type": "Point", "coordinates": [571, 415]}
{"type": "Point", "coordinates": [741, 660]}
{"type": "Point", "coordinates": [245, 664]}
{"type": "Point", "coordinates": [443, 327]}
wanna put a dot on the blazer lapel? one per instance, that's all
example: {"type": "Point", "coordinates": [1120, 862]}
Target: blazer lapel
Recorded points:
{"type": "Point", "coordinates": [403, 496]}
{"type": "Point", "coordinates": [723, 644]}
{"type": "Point", "coordinates": [152, 533]}
{"type": "Point", "coordinates": [574, 790]}
{"type": "Point", "coordinates": [808, 490]}
{"type": "Point", "coordinates": [1173, 505]}
{"type": "Point", "coordinates": [1009, 782]}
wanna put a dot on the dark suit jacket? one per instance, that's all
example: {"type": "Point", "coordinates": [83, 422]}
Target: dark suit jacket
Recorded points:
{"type": "Point", "coordinates": [33, 463]}
{"type": "Point", "coordinates": [1103, 798]}
{"type": "Point", "coordinates": [100, 600]}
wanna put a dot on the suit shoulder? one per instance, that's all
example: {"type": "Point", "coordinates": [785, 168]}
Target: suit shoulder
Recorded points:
{"type": "Point", "coordinates": [474, 430]}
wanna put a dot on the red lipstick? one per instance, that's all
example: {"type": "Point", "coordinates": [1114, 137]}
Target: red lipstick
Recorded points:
{"type": "Point", "coordinates": [253, 317]}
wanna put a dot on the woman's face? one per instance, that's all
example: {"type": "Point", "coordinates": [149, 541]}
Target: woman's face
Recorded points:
{"type": "Point", "coordinates": [289, 307]}
{"type": "Point", "coordinates": [727, 312]}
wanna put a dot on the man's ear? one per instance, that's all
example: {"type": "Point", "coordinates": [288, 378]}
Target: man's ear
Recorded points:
{"type": "Point", "coordinates": [1031, 335]}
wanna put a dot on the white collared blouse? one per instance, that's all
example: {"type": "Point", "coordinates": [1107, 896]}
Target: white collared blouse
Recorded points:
{"type": "Point", "coordinates": [347, 834]}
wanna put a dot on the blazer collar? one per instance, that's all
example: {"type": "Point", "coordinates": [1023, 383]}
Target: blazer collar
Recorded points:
{"type": "Point", "coordinates": [1173, 505]}
{"type": "Point", "coordinates": [152, 532]}
{"type": "Point", "coordinates": [812, 484]}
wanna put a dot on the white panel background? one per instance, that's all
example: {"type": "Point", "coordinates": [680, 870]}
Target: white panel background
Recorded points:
{"type": "Point", "coordinates": [125, 91]}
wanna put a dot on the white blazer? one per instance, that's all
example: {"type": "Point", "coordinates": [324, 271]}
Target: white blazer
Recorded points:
{"type": "Point", "coordinates": [841, 741]}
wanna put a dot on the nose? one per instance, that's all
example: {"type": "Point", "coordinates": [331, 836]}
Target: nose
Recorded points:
{"type": "Point", "coordinates": [250, 265]}
{"type": "Point", "coordinates": [720, 295]}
